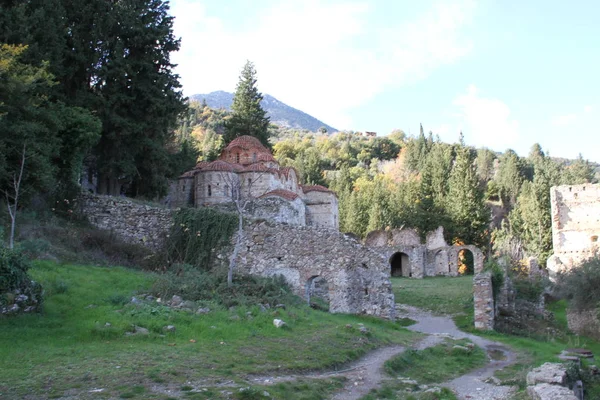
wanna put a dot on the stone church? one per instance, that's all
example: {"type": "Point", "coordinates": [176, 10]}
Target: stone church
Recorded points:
{"type": "Point", "coordinates": [275, 192]}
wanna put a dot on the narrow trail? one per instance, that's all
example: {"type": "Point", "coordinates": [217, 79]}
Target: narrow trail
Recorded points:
{"type": "Point", "coordinates": [473, 385]}
{"type": "Point", "coordinates": [367, 373]}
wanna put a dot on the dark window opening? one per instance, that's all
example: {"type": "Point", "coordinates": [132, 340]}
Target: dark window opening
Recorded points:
{"type": "Point", "coordinates": [209, 190]}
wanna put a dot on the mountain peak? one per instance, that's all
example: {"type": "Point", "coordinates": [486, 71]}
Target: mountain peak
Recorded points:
{"type": "Point", "coordinates": [280, 113]}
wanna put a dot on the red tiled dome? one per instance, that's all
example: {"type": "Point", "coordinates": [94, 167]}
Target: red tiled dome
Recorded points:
{"type": "Point", "coordinates": [201, 164]}
{"type": "Point", "coordinates": [247, 142]}
{"type": "Point", "coordinates": [285, 194]}
{"type": "Point", "coordinates": [265, 157]}
{"type": "Point", "coordinates": [220, 165]}
{"type": "Point", "coordinates": [285, 171]}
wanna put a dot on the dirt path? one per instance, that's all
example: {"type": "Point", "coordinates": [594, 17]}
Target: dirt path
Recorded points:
{"type": "Point", "coordinates": [367, 373]}
{"type": "Point", "coordinates": [362, 375]}
{"type": "Point", "coordinates": [471, 386]}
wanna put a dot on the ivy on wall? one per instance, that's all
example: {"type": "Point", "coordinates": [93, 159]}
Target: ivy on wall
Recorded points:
{"type": "Point", "coordinates": [197, 234]}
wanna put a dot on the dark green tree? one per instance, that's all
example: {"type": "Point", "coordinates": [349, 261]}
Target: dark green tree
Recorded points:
{"type": "Point", "coordinates": [509, 178]}
{"type": "Point", "coordinates": [465, 202]}
{"type": "Point", "coordinates": [247, 116]}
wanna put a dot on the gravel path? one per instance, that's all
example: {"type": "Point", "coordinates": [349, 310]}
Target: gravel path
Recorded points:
{"type": "Point", "coordinates": [367, 373]}
{"type": "Point", "coordinates": [471, 386]}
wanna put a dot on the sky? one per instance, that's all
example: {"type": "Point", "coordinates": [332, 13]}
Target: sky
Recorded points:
{"type": "Point", "coordinates": [507, 73]}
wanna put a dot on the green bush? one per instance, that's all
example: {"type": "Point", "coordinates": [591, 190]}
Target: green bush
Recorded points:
{"type": "Point", "coordinates": [13, 270]}
{"type": "Point", "coordinates": [497, 275]}
{"type": "Point", "coordinates": [197, 234]}
{"type": "Point", "coordinates": [581, 285]}
{"type": "Point", "coordinates": [194, 284]}
{"type": "Point", "coordinates": [530, 289]}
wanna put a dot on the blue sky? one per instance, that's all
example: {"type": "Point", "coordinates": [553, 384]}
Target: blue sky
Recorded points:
{"type": "Point", "coordinates": [507, 73]}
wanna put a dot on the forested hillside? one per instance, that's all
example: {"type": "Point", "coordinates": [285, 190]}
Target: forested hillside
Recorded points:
{"type": "Point", "coordinates": [496, 201]}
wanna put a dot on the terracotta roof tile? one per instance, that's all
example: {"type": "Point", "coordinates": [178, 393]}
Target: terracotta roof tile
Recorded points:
{"type": "Point", "coordinates": [285, 171]}
{"type": "Point", "coordinates": [285, 194]}
{"type": "Point", "coordinates": [247, 142]}
{"type": "Point", "coordinates": [315, 188]}
{"type": "Point", "coordinates": [220, 165]}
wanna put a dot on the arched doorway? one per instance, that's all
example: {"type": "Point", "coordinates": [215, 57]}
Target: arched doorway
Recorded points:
{"type": "Point", "coordinates": [466, 262]}
{"type": "Point", "coordinates": [317, 293]}
{"type": "Point", "coordinates": [400, 265]}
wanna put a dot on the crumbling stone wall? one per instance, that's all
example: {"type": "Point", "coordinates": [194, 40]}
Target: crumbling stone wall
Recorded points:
{"type": "Point", "coordinates": [132, 222]}
{"type": "Point", "coordinates": [357, 277]}
{"type": "Point", "coordinates": [575, 224]}
{"type": "Point", "coordinates": [433, 258]}
{"type": "Point", "coordinates": [273, 208]}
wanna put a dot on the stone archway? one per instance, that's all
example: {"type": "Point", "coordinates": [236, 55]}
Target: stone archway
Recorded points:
{"type": "Point", "coordinates": [317, 292]}
{"type": "Point", "coordinates": [400, 264]}
{"type": "Point", "coordinates": [454, 258]}
{"type": "Point", "coordinates": [466, 262]}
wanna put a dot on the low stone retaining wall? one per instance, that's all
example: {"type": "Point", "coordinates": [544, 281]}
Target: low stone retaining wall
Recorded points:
{"type": "Point", "coordinates": [131, 221]}
{"type": "Point", "coordinates": [584, 322]}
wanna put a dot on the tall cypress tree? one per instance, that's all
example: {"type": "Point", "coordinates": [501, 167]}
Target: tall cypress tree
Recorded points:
{"type": "Point", "coordinates": [465, 202]}
{"type": "Point", "coordinates": [248, 117]}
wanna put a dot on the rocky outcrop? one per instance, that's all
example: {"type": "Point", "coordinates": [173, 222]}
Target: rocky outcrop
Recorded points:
{"type": "Point", "coordinates": [24, 300]}
{"type": "Point", "coordinates": [545, 391]}
{"type": "Point", "coordinates": [548, 383]}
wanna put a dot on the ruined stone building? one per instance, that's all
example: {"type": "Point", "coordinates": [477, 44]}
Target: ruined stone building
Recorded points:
{"type": "Point", "coordinates": [575, 225]}
{"type": "Point", "coordinates": [246, 165]}
{"type": "Point", "coordinates": [410, 258]}
{"type": "Point", "coordinates": [345, 275]}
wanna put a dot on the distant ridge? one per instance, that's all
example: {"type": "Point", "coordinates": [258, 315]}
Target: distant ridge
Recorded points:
{"type": "Point", "coordinates": [280, 113]}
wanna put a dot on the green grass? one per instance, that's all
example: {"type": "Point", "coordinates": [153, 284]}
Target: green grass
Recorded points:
{"type": "Point", "coordinates": [438, 363]}
{"type": "Point", "coordinates": [441, 295]}
{"type": "Point", "coordinates": [70, 348]}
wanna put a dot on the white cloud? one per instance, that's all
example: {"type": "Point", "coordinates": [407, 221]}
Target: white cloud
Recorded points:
{"type": "Point", "coordinates": [485, 122]}
{"type": "Point", "coordinates": [587, 109]}
{"type": "Point", "coordinates": [321, 57]}
{"type": "Point", "coordinates": [563, 120]}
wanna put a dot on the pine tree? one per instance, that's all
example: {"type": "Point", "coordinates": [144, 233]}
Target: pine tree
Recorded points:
{"type": "Point", "coordinates": [465, 203]}
{"type": "Point", "coordinates": [247, 117]}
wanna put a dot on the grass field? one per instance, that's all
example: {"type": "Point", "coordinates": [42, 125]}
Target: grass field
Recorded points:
{"type": "Point", "coordinates": [71, 350]}
{"type": "Point", "coordinates": [441, 295]}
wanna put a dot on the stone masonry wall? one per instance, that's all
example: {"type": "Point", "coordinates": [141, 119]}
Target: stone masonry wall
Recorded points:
{"type": "Point", "coordinates": [132, 222]}
{"type": "Point", "coordinates": [483, 297]}
{"type": "Point", "coordinates": [272, 208]}
{"type": "Point", "coordinates": [357, 277]}
{"type": "Point", "coordinates": [575, 224]}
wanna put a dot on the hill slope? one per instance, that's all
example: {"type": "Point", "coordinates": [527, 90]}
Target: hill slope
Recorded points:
{"type": "Point", "coordinates": [279, 112]}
